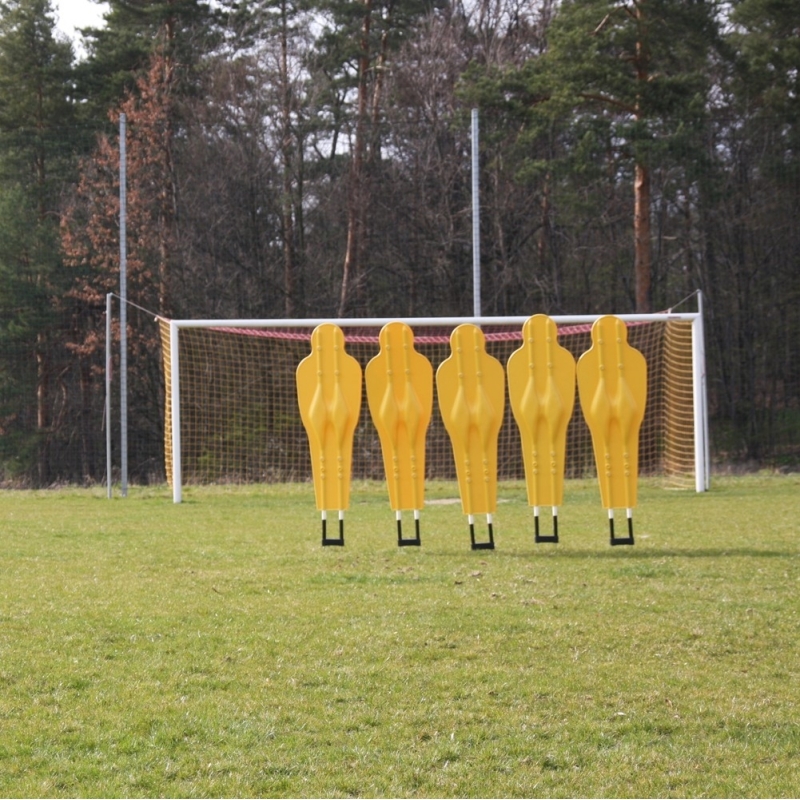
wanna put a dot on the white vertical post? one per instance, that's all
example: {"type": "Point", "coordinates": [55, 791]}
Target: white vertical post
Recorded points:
{"type": "Point", "coordinates": [175, 389]}
{"type": "Point", "coordinates": [109, 302]}
{"type": "Point", "coordinates": [700, 402]}
{"type": "Point", "coordinates": [123, 307]}
{"type": "Point", "coordinates": [476, 219]}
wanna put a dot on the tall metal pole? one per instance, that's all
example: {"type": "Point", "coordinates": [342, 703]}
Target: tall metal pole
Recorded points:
{"type": "Point", "coordinates": [476, 220]}
{"type": "Point", "coordinates": [123, 307]}
{"type": "Point", "coordinates": [175, 393]}
{"type": "Point", "coordinates": [702, 454]}
{"type": "Point", "coordinates": [109, 301]}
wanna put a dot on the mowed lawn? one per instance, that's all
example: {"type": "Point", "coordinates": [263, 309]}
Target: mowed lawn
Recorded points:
{"type": "Point", "coordinates": [214, 648]}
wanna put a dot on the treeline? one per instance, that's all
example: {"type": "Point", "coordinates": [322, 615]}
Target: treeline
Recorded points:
{"type": "Point", "coordinates": [292, 158]}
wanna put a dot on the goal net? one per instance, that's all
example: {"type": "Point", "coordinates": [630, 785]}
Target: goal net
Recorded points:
{"type": "Point", "coordinates": [232, 416]}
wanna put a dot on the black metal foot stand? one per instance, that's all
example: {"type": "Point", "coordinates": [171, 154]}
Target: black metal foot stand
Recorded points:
{"type": "Point", "coordinates": [539, 538]}
{"type": "Point", "coordinates": [481, 545]}
{"type": "Point", "coordinates": [326, 542]}
{"type": "Point", "coordinates": [401, 542]}
{"type": "Point", "coordinates": [615, 540]}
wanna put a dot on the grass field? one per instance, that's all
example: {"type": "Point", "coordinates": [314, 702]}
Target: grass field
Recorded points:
{"type": "Point", "coordinates": [215, 649]}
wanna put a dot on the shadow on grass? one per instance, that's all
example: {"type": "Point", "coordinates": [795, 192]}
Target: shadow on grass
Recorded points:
{"type": "Point", "coordinates": [627, 553]}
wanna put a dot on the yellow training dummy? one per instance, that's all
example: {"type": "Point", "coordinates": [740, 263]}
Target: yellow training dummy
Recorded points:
{"type": "Point", "coordinates": [612, 384]}
{"type": "Point", "coordinates": [471, 389]}
{"type": "Point", "coordinates": [541, 388]}
{"type": "Point", "coordinates": [400, 394]}
{"type": "Point", "coordinates": [329, 396]}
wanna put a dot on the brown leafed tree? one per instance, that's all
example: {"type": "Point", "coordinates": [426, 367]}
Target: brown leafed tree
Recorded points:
{"type": "Point", "coordinates": [90, 226]}
{"type": "Point", "coordinates": [90, 235]}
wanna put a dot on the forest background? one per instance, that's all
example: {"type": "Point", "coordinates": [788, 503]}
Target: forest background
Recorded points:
{"type": "Point", "coordinates": [292, 158]}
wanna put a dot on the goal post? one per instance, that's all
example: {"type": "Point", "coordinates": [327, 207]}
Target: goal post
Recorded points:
{"type": "Point", "coordinates": [702, 444]}
{"type": "Point", "coordinates": [231, 411]}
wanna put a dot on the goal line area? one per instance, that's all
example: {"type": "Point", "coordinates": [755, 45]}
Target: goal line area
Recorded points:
{"type": "Point", "coordinates": [231, 411]}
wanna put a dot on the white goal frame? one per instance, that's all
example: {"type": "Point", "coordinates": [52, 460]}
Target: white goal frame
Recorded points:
{"type": "Point", "coordinates": [699, 392]}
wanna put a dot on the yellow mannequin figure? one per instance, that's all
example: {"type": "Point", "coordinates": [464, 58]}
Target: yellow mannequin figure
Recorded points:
{"type": "Point", "coordinates": [329, 396]}
{"type": "Point", "coordinates": [400, 394]}
{"type": "Point", "coordinates": [612, 384]}
{"type": "Point", "coordinates": [471, 388]}
{"type": "Point", "coordinates": [541, 388]}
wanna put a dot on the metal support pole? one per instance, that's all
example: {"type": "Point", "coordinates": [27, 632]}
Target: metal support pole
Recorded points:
{"type": "Point", "coordinates": [175, 408]}
{"type": "Point", "coordinates": [123, 308]}
{"type": "Point", "coordinates": [476, 219]}
{"type": "Point", "coordinates": [700, 401]}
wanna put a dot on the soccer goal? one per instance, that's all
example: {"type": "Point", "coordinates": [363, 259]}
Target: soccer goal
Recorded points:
{"type": "Point", "coordinates": [231, 413]}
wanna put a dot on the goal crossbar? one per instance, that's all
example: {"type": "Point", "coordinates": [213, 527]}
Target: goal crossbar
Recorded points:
{"type": "Point", "coordinates": [699, 397]}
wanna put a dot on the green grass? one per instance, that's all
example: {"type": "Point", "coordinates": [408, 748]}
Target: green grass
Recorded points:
{"type": "Point", "coordinates": [216, 649]}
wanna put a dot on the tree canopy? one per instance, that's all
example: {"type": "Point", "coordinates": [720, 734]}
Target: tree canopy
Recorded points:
{"type": "Point", "coordinates": [312, 157]}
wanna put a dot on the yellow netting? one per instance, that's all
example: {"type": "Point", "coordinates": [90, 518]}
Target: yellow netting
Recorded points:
{"type": "Point", "coordinates": [166, 360]}
{"type": "Point", "coordinates": [240, 421]}
{"type": "Point", "coordinates": [678, 396]}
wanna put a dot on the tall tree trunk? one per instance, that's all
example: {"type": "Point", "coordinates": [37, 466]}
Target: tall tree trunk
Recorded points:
{"type": "Point", "coordinates": [86, 427]}
{"type": "Point", "coordinates": [287, 205]}
{"type": "Point", "coordinates": [641, 183]}
{"type": "Point", "coordinates": [42, 409]}
{"type": "Point", "coordinates": [169, 197]}
{"type": "Point", "coordinates": [377, 92]}
{"type": "Point", "coordinates": [42, 374]}
{"type": "Point", "coordinates": [299, 231]}
{"type": "Point", "coordinates": [641, 236]}
{"type": "Point", "coordinates": [351, 271]}
{"type": "Point", "coordinates": [543, 243]}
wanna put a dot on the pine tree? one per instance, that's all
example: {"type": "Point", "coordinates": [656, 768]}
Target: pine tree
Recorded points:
{"type": "Point", "coordinates": [120, 51]}
{"type": "Point", "coordinates": [751, 226]}
{"type": "Point", "coordinates": [634, 73]}
{"type": "Point", "coordinates": [36, 144]}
